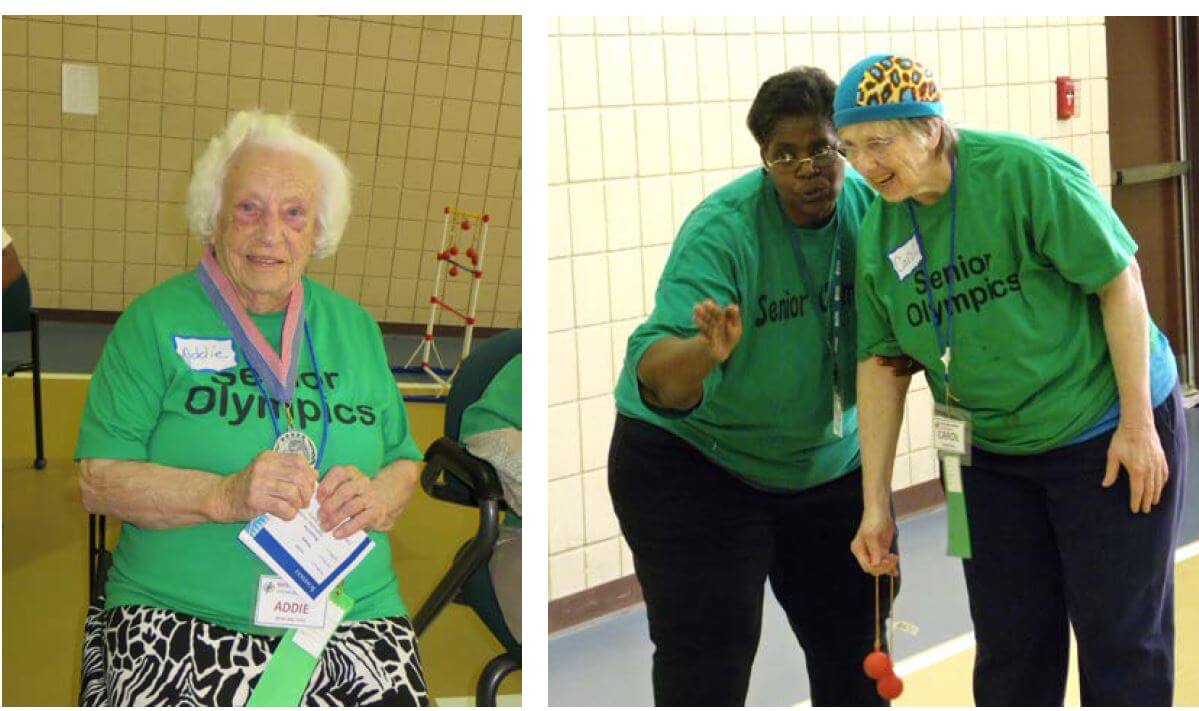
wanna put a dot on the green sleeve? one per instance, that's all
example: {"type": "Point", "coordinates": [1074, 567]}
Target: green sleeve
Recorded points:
{"type": "Point", "coordinates": [397, 437]}
{"type": "Point", "coordinates": [702, 265]}
{"type": "Point", "coordinates": [500, 404]}
{"type": "Point", "coordinates": [124, 399]}
{"type": "Point", "coordinates": [1071, 224]}
{"type": "Point", "coordinates": [875, 333]}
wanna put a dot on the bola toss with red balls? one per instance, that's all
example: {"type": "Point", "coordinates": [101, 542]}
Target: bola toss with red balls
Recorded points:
{"type": "Point", "coordinates": [877, 664]}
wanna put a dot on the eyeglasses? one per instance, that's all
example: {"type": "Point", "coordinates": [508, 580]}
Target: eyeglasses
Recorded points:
{"type": "Point", "coordinates": [788, 163]}
{"type": "Point", "coordinates": [876, 148]}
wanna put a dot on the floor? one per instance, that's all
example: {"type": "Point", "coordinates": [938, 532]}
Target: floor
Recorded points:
{"type": "Point", "coordinates": [585, 661]}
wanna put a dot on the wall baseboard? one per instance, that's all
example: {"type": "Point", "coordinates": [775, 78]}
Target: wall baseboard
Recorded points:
{"type": "Point", "coordinates": [622, 593]}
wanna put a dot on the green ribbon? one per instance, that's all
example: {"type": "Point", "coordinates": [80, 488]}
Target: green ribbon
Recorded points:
{"type": "Point", "coordinates": [955, 506]}
{"type": "Point", "coordinates": [290, 668]}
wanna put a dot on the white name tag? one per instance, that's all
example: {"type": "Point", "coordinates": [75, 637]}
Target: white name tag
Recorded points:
{"type": "Point", "coordinates": [905, 258]}
{"type": "Point", "coordinates": [281, 605]}
{"type": "Point", "coordinates": [952, 468]}
{"type": "Point", "coordinates": [314, 639]}
{"type": "Point", "coordinates": [949, 435]}
{"type": "Point", "coordinates": [210, 354]}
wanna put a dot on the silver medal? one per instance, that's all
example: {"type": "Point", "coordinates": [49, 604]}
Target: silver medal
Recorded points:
{"type": "Point", "coordinates": [296, 442]}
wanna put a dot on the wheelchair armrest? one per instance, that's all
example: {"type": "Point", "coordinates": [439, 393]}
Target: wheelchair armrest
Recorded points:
{"type": "Point", "coordinates": [471, 479]}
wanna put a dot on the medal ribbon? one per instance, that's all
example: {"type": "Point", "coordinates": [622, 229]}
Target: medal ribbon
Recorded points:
{"type": "Point", "coordinates": [832, 336]}
{"type": "Point", "coordinates": [277, 371]}
{"type": "Point", "coordinates": [320, 386]}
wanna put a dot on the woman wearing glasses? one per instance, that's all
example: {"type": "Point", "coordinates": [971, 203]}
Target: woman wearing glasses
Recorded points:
{"type": "Point", "coordinates": [993, 260]}
{"type": "Point", "coordinates": [735, 454]}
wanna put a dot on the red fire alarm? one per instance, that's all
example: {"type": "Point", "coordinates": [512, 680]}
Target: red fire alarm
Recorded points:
{"type": "Point", "coordinates": [1067, 98]}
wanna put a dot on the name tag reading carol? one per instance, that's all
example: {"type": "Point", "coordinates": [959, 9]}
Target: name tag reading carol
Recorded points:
{"type": "Point", "coordinates": [949, 435]}
{"type": "Point", "coordinates": [905, 258]}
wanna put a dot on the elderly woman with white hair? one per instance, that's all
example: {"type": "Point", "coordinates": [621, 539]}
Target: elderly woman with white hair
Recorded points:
{"type": "Point", "coordinates": [202, 379]}
{"type": "Point", "coordinates": [993, 260]}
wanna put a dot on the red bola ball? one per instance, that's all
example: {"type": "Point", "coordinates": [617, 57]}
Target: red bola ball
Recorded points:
{"type": "Point", "coordinates": [453, 271]}
{"type": "Point", "coordinates": [877, 665]}
{"type": "Point", "coordinates": [466, 224]}
{"type": "Point", "coordinates": [890, 687]}
{"type": "Point", "coordinates": [454, 251]}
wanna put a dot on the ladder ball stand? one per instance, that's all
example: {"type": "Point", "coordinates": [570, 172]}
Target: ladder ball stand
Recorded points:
{"type": "Point", "coordinates": [451, 261]}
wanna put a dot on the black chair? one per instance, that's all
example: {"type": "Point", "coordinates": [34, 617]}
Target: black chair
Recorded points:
{"type": "Point", "coordinates": [452, 474]}
{"type": "Point", "coordinates": [99, 558]}
{"type": "Point", "coordinates": [20, 316]}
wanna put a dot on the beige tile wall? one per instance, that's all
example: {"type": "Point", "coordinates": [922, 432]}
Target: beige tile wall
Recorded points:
{"type": "Point", "coordinates": [647, 115]}
{"type": "Point", "coordinates": [425, 110]}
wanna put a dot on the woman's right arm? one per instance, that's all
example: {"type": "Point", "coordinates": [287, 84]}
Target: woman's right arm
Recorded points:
{"type": "Point", "coordinates": [881, 395]}
{"type": "Point", "coordinates": [673, 369]}
{"type": "Point", "coordinates": [155, 496]}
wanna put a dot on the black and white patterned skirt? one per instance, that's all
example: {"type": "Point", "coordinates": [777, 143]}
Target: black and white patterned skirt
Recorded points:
{"type": "Point", "coordinates": [146, 656]}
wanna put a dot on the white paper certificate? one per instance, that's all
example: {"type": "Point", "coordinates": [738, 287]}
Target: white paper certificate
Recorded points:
{"type": "Point", "coordinates": [302, 552]}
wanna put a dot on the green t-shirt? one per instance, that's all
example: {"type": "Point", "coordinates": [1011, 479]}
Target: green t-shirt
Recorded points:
{"type": "Point", "coordinates": [146, 403]}
{"type": "Point", "coordinates": [498, 406]}
{"type": "Point", "coordinates": [767, 412]}
{"type": "Point", "coordinates": [1034, 241]}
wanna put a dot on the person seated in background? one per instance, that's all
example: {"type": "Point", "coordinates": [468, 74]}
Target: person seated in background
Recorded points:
{"type": "Point", "coordinates": [17, 296]}
{"type": "Point", "coordinates": [205, 387]}
{"type": "Point", "coordinates": [491, 431]}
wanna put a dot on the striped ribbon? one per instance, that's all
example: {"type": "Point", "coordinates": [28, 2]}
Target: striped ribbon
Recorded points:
{"type": "Point", "coordinates": [277, 372]}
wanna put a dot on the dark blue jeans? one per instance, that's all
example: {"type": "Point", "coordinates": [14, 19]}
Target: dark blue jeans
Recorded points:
{"type": "Point", "coordinates": [704, 544]}
{"type": "Point", "coordinates": [1053, 548]}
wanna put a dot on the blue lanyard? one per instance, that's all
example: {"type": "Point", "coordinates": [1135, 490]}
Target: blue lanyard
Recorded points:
{"type": "Point", "coordinates": [832, 337]}
{"type": "Point", "coordinates": [942, 345]}
{"type": "Point", "coordinates": [320, 386]}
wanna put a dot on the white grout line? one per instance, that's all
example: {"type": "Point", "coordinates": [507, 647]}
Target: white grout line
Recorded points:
{"type": "Point", "coordinates": [957, 645]}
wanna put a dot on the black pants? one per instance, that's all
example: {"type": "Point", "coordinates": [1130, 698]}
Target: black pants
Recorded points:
{"type": "Point", "coordinates": [1051, 548]}
{"type": "Point", "coordinates": [704, 543]}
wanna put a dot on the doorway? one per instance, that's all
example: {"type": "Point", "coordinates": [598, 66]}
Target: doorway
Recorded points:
{"type": "Point", "coordinates": [1153, 142]}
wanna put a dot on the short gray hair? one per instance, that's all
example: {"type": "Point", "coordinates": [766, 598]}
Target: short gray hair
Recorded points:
{"type": "Point", "coordinates": [923, 126]}
{"type": "Point", "coordinates": [273, 131]}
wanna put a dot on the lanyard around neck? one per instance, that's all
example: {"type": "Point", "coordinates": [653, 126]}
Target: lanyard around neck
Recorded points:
{"type": "Point", "coordinates": [833, 295]}
{"type": "Point", "coordinates": [943, 343]}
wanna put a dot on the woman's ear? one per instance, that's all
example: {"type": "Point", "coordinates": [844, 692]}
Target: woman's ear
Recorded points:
{"type": "Point", "coordinates": [933, 131]}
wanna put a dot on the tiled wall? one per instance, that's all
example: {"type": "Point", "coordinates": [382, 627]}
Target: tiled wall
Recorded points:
{"type": "Point", "coordinates": [647, 115]}
{"type": "Point", "coordinates": [425, 110]}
